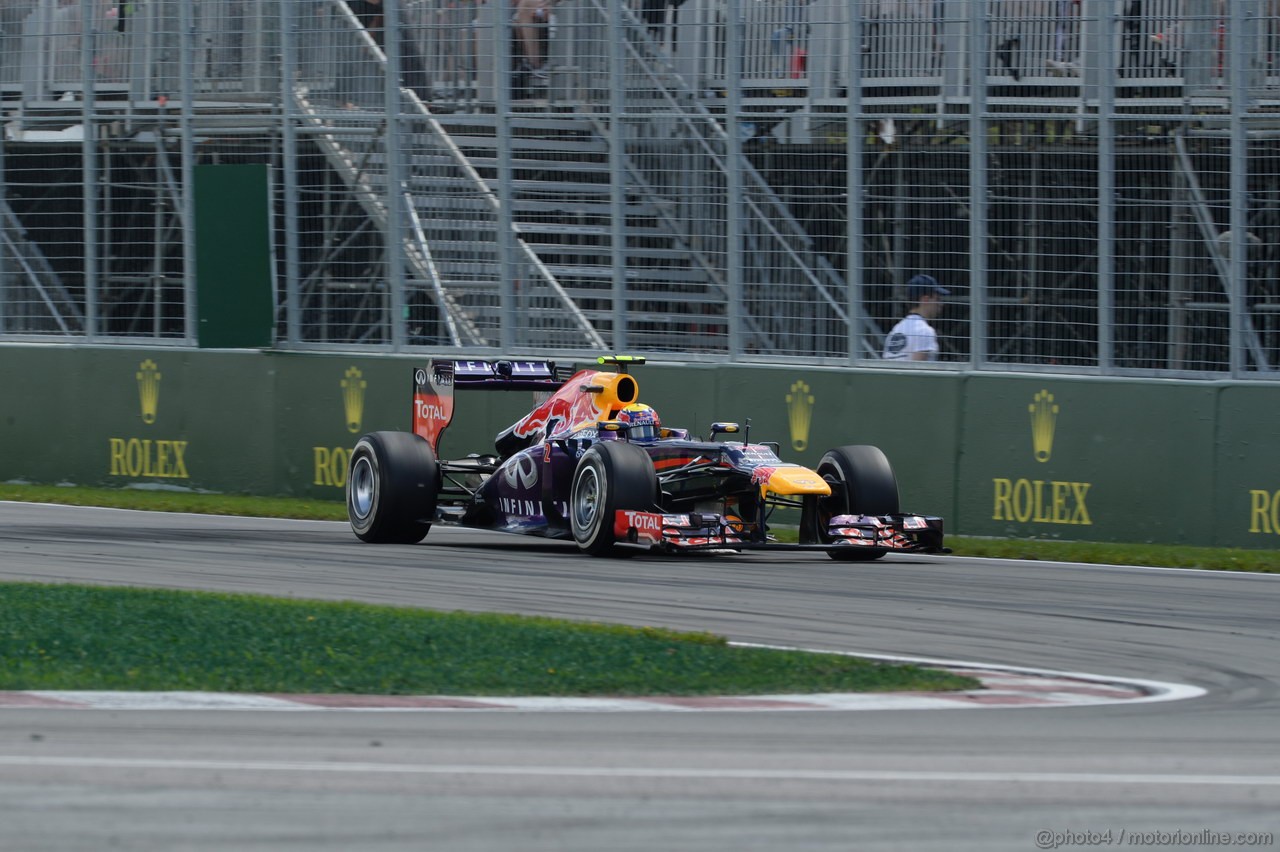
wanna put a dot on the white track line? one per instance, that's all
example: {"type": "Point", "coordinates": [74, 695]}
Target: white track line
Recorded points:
{"type": "Point", "coordinates": [642, 772]}
{"type": "Point", "coordinates": [1155, 690]}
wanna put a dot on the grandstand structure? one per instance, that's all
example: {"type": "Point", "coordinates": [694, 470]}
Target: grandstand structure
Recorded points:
{"type": "Point", "coordinates": [1097, 182]}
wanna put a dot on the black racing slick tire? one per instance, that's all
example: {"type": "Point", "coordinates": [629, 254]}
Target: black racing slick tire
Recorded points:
{"type": "Point", "coordinates": [393, 482]}
{"type": "Point", "coordinates": [609, 477]}
{"type": "Point", "coordinates": [862, 483]}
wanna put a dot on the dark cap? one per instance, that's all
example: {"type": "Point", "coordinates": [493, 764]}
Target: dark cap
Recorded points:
{"type": "Point", "coordinates": [922, 285]}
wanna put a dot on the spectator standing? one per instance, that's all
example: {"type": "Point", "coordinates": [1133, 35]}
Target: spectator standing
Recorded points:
{"type": "Point", "coordinates": [913, 338]}
{"type": "Point", "coordinates": [532, 18]}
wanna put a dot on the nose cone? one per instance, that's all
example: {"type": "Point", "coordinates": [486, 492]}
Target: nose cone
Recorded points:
{"type": "Point", "coordinates": [797, 480]}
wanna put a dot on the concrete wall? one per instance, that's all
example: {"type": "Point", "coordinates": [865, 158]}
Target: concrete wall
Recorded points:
{"type": "Point", "coordinates": [1016, 455]}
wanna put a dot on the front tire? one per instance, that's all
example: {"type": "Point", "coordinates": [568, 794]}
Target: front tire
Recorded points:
{"type": "Point", "coordinates": [393, 482]}
{"type": "Point", "coordinates": [862, 483]}
{"type": "Point", "coordinates": [609, 477]}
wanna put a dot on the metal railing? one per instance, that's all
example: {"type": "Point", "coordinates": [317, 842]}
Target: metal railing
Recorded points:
{"type": "Point", "coordinates": [1097, 181]}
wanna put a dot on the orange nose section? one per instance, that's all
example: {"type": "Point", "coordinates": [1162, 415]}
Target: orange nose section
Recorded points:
{"type": "Point", "coordinates": [796, 480]}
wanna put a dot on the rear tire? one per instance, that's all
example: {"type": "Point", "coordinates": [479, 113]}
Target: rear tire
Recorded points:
{"type": "Point", "coordinates": [393, 482]}
{"type": "Point", "coordinates": [862, 483]}
{"type": "Point", "coordinates": [609, 477]}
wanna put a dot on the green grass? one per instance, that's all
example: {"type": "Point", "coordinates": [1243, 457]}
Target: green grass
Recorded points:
{"type": "Point", "coordinates": [1235, 559]}
{"type": "Point", "coordinates": [1166, 555]}
{"type": "Point", "coordinates": [167, 500]}
{"type": "Point", "coordinates": [68, 637]}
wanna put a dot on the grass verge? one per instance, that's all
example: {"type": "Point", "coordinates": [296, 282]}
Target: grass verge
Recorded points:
{"type": "Point", "coordinates": [1233, 559]}
{"type": "Point", "coordinates": [87, 637]}
{"type": "Point", "coordinates": [166, 500]}
{"type": "Point", "coordinates": [1104, 553]}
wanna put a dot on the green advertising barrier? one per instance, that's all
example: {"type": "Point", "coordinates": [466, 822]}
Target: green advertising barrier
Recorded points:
{"type": "Point", "coordinates": [324, 404]}
{"type": "Point", "coordinates": [114, 416]}
{"type": "Point", "coordinates": [1010, 456]}
{"type": "Point", "coordinates": [1052, 457]}
{"type": "Point", "coordinates": [41, 418]}
{"type": "Point", "coordinates": [178, 418]}
{"type": "Point", "coordinates": [1247, 491]}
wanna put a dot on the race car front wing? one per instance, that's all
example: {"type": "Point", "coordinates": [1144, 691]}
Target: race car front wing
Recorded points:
{"type": "Point", "coordinates": [693, 531]}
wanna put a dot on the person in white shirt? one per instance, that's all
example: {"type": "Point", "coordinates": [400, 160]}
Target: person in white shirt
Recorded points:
{"type": "Point", "coordinates": [913, 339]}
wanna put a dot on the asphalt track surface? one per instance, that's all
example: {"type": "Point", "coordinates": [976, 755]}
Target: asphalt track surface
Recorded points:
{"type": "Point", "coordinates": [1202, 773]}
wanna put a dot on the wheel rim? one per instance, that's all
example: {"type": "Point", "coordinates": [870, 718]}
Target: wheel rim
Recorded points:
{"type": "Point", "coordinates": [586, 502]}
{"type": "Point", "coordinates": [362, 487]}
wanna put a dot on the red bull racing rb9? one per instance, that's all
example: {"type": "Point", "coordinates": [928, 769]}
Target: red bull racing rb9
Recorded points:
{"type": "Point", "coordinates": [593, 464]}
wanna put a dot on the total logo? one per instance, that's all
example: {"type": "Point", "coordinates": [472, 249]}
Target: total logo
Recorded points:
{"type": "Point", "coordinates": [640, 521]}
{"type": "Point", "coordinates": [430, 411]}
{"type": "Point", "coordinates": [150, 457]}
{"type": "Point", "coordinates": [1037, 500]}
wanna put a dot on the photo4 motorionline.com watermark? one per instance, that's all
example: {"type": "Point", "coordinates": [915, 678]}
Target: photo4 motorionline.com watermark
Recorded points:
{"type": "Point", "coordinates": [1046, 839]}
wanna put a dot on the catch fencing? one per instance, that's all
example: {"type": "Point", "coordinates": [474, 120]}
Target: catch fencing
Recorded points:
{"type": "Point", "coordinates": [1097, 182]}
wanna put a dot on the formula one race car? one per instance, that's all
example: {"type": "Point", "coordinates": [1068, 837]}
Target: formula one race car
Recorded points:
{"type": "Point", "coordinates": [594, 464]}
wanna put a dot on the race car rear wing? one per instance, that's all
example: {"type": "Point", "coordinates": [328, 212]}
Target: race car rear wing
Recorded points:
{"type": "Point", "coordinates": [433, 387]}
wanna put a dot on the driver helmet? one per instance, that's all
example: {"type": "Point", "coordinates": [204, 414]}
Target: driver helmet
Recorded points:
{"type": "Point", "coordinates": [643, 422]}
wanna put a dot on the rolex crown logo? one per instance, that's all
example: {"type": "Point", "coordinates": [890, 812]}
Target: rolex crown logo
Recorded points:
{"type": "Point", "coordinates": [1044, 416]}
{"type": "Point", "coordinates": [800, 414]}
{"type": "Point", "coordinates": [148, 376]}
{"type": "Point", "coordinates": [353, 386]}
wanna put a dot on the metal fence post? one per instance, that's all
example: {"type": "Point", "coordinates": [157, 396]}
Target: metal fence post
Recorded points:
{"type": "Point", "coordinates": [506, 193]}
{"type": "Point", "coordinates": [978, 147]}
{"type": "Point", "coordinates": [1103, 12]}
{"type": "Point", "coordinates": [1240, 22]}
{"type": "Point", "coordinates": [187, 156]}
{"type": "Point", "coordinates": [855, 201]}
{"type": "Point", "coordinates": [89, 161]}
{"type": "Point", "coordinates": [394, 239]}
{"type": "Point", "coordinates": [734, 243]}
{"type": "Point", "coordinates": [618, 128]}
{"type": "Point", "coordinates": [289, 165]}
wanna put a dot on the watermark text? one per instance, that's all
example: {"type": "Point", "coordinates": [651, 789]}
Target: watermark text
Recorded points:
{"type": "Point", "coordinates": [1125, 837]}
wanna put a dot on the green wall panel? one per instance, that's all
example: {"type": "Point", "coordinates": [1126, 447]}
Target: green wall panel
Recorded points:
{"type": "Point", "coordinates": [148, 404]}
{"type": "Point", "coordinates": [115, 416]}
{"type": "Point", "coordinates": [1247, 490]}
{"type": "Point", "coordinates": [233, 255]}
{"type": "Point", "coordinates": [324, 403]}
{"type": "Point", "coordinates": [142, 406]}
{"type": "Point", "coordinates": [41, 421]}
{"type": "Point", "coordinates": [233, 416]}
{"type": "Point", "coordinates": [1086, 460]}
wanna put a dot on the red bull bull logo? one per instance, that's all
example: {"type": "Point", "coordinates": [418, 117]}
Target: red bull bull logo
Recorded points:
{"type": "Point", "coordinates": [568, 409]}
